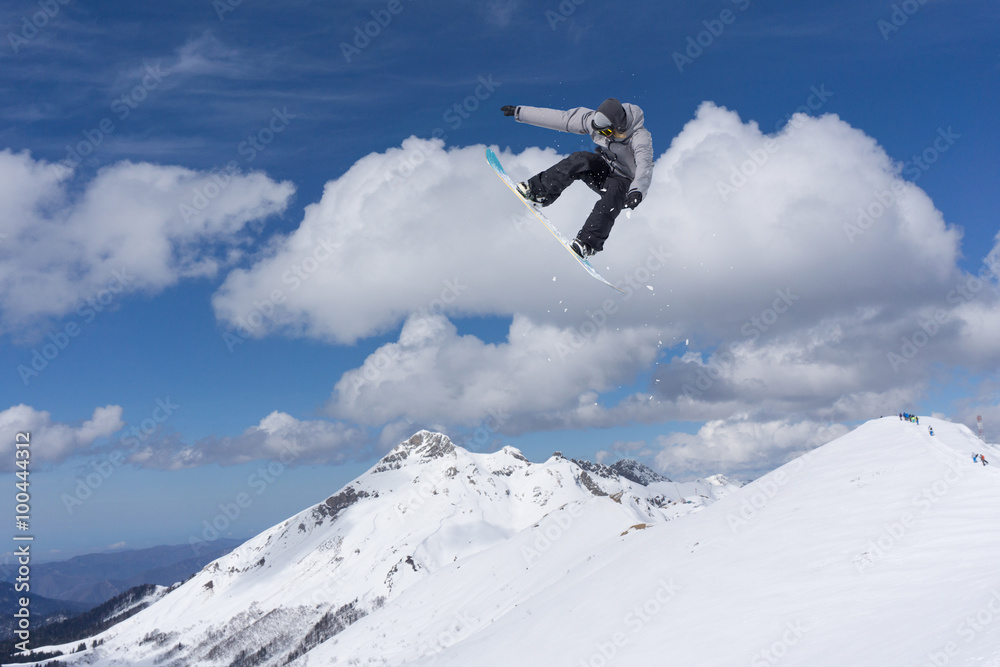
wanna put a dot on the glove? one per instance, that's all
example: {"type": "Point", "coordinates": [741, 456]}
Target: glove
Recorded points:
{"type": "Point", "coordinates": [633, 198]}
{"type": "Point", "coordinates": [508, 110]}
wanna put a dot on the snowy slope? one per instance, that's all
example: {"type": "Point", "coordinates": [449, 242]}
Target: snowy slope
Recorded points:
{"type": "Point", "coordinates": [877, 549]}
{"type": "Point", "coordinates": [427, 506]}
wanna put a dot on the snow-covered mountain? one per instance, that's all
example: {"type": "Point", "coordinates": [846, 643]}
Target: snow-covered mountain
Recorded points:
{"type": "Point", "coordinates": [876, 549]}
{"type": "Point", "coordinates": [426, 508]}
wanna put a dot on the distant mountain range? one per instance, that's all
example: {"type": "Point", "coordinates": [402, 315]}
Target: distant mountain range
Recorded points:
{"type": "Point", "coordinates": [95, 578]}
{"type": "Point", "coordinates": [43, 609]}
{"type": "Point", "coordinates": [62, 589]}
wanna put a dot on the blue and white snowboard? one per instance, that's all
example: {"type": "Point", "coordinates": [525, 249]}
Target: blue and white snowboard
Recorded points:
{"type": "Point", "coordinates": [491, 157]}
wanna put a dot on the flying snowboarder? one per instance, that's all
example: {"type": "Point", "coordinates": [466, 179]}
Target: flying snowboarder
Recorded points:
{"type": "Point", "coordinates": [619, 170]}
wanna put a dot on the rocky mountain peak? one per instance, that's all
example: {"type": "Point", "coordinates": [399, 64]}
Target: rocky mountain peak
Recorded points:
{"type": "Point", "coordinates": [639, 473]}
{"type": "Point", "coordinates": [514, 452]}
{"type": "Point", "coordinates": [421, 447]}
{"type": "Point", "coordinates": [629, 469]}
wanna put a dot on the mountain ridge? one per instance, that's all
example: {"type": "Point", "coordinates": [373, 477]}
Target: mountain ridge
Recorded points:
{"type": "Point", "coordinates": [441, 556]}
{"type": "Point", "coordinates": [425, 505]}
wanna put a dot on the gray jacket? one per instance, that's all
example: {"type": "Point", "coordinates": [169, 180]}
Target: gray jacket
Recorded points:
{"type": "Point", "coordinates": [631, 157]}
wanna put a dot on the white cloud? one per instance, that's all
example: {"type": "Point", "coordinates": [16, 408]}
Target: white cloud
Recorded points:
{"type": "Point", "coordinates": [741, 447]}
{"type": "Point", "coordinates": [432, 374]}
{"type": "Point", "coordinates": [409, 222]}
{"type": "Point", "coordinates": [804, 255]}
{"type": "Point", "coordinates": [279, 437]}
{"type": "Point", "coordinates": [132, 228]}
{"type": "Point", "coordinates": [815, 369]}
{"type": "Point", "coordinates": [51, 441]}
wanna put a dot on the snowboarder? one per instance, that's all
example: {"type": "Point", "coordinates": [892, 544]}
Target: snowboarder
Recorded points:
{"type": "Point", "coordinates": [983, 459]}
{"type": "Point", "coordinates": [930, 429]}
{"type": "Point", "coordinates": [619, 170]}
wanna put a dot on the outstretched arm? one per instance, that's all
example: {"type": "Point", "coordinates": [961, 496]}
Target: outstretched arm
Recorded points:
{"type": "Point", "coordinates": [575, 120]}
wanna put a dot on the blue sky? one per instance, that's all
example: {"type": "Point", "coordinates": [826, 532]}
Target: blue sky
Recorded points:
{"type": "Point", "coordinates": [238, 151]}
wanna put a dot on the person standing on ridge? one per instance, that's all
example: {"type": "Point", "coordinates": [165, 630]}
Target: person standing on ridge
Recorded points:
{"type": "Point", "coordinates": [619, 170]}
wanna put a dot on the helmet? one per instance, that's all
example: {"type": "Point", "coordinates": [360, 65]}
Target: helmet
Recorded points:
{"type": "Point", "coordinates": [611, 114]}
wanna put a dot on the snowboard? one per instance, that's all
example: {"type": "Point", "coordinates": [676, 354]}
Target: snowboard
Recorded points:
{"type": "Point", "coordinates": [494, 161]}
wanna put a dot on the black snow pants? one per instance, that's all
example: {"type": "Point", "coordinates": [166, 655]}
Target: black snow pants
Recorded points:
{"type": "Point", "coordinates": [595, 171]}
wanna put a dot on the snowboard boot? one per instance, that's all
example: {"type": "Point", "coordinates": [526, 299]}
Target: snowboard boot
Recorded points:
{"type": "Point", "coordinates": [582, 249]}
{"type": "Point", "coordinates": [524, 189]}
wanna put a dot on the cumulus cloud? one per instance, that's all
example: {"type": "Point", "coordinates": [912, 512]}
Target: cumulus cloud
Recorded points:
{"type": "Point", "coordinates": [788, 275]}
{"type": "Point", "coordinates": [405, 221]}
{"type": "Point", "coordinates": [741, 447]}
{"type": "Point", "coordinates": [279, 437]}
{"type": "Point", "coordinates": [55, 441]}
{"type": "Point", "coordinates": [434, 374]}
{"type": "Point", "coordinates": [132, 228]}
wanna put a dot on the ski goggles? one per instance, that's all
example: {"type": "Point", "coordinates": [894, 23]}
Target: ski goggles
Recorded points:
{"type": "Point", "coordinates": [601, 124]}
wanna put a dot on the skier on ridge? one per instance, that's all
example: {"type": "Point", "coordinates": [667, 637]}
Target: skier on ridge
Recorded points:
{"type": "Point", "coordinates": [620, 170]}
